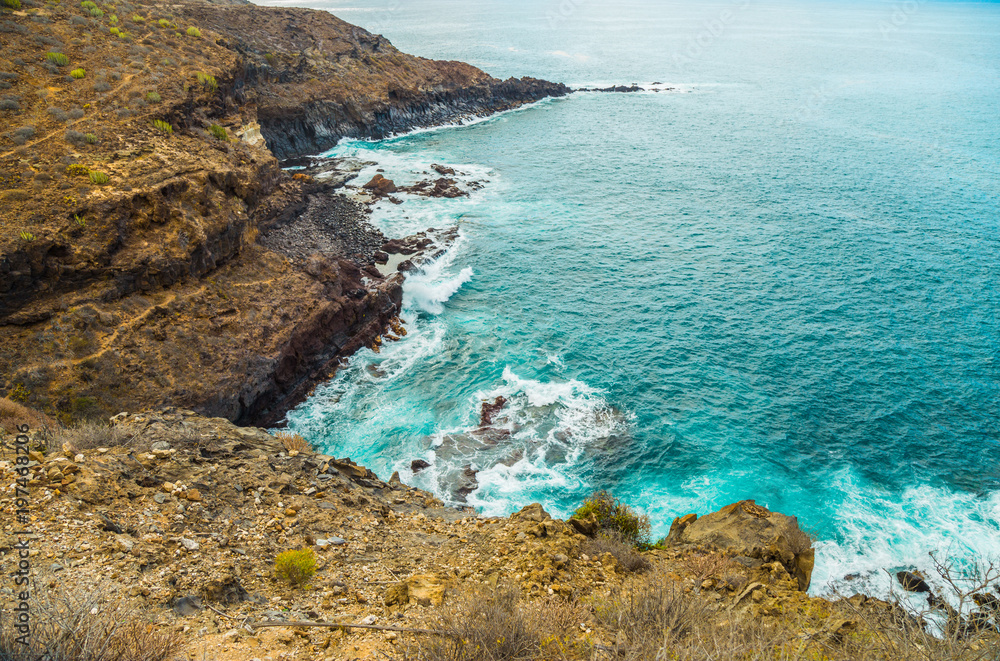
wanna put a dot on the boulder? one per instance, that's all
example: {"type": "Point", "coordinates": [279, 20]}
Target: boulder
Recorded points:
{"type": "Point", "coordinates": [753, 531]}
{"type": "Point", "coordinates": [380, 185]}
{"type": "Point", "coordinates": [422, 589]}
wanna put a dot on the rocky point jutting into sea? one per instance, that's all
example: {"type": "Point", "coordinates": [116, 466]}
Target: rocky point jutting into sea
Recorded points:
{"type": "Point", "coordinates": [166, 289]}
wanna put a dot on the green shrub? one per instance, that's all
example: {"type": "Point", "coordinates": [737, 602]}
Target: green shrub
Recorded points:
{"type": "Point", "coordinates": [164, 23]}
{"type": "Point", "coordinates": [218, 132]}
{"type": "Point", "coordinates": [27, 236]}
{"type": "Point", "coordinates": [616, 517]}
{"type": "Point", "coordinates": [12, 4]}
{"type": "Point", "coordinates": [88, 5]}
{"type": "Point", "coordinates": [207, 80]}
{"type": "Point", "coordinates": [79, 220]}
{"type": "Point", "coordinates": [163, 126]}
{"type": "Point", "coordinates": [193, 32]}
{"type": "Point", "coordinates": [78, 73]}
{"type": "Point", "coordinates": [76, 170]}
{"type": "Point", "coordinates": [57, 58]}
{"type": "Point", "coordinates": [153, 97]}
{"type": "Point", "coordinates": [113, 19]}
{"type": "Point", "coordinates": [96, 13]}
{"type": "Point", "coordinates": [138, 19]}
{"type": "Point", "coordinates": [99, 178]}
{"type": "Point", "coordinates": [115, 31]}
{"type": "Point", "coordinates": [296, 567]}
{"type": "Point", "coordinates": [90, 138]}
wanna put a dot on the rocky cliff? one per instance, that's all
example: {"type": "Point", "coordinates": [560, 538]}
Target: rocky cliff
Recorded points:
{"type": "Point", "coordinates": [139, 184]}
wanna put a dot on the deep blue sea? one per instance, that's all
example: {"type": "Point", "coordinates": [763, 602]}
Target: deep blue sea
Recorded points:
{"type": "Point", "coordinates": [779, 281]}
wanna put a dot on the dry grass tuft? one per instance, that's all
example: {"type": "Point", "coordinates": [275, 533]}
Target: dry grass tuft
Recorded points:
{"type": "Point", "coordinates": [13, 414]}
{"type": "Point", "coordinates": [293, 441]}
{"type": "Point", "coordinates": [496, 625]}
{"type": "Point", "coordinates": [707, 565]}
{"type": "Point", "coordinates": [86, 625]}
{"type": "Point", "coordinates": [97, 434]}
{"type": "Point", "coordinates": [608, 541]}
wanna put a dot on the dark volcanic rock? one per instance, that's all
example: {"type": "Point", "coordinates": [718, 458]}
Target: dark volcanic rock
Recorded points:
{"type": "Point", "coordinates": [442, 187]}
{"type": "Point", "coordinates": [317, 125]}
{"type": "Point", "coordinates": [489, 410]}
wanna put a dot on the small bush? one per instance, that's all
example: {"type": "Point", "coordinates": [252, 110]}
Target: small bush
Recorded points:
{"type": "Point", "coordinates": [293, 442]}
{"type": "Point", "coordinates": [77, 20]}
{"type": "Point", "coordinates": [12, 4]}
{"type": "Point", "coordinates": [153, 97]}
{"type": "Point", "coordinates": [138, 19]}
{"type": "Point", "coordinates": [113, 19]}
{"type": "Point", "coordinates": [90, 138]}
{"type": "Point", "coordinates": [22, 135]}
{"type": "Point", "coordinates": [75, 137]}
{"type": "Point", "coordinates": [76, 113]}
{"type": "Point", "coordinates": [99, 178]}
{"type": "Point", "coordinates": [9, 104]}
{"type": "Point", "coordinates": [613, 516]}
{"type": "Point", "coordinates": [218, 132]}
{"type": "Point", "coordinates": [164, 23]}
{"type": "Point", "coordinates": [27, 236]}
{"type": "Point", "coordinates": [161, 125]}
{"type": "Point", "coordinates": [207, 80]}
{"type": "Point", "coordinates": [88, 5]}
{"type": "Point", "coordinates": [57, 59]}
{"type": "Point", "coordinates": [78, 73]}
{"type": "Point", "coordinates": [102, 86]}
{"type": "Point", "coordinates": [77, 170]}
{"type": "Point", "coordinates": [296, 567]}
{"type": "Point", "coordinates": [193, 32]}
{"type": "Point", "coordinates": [115, 31]}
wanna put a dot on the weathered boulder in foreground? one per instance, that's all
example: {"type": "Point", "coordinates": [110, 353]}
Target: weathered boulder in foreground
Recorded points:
{"type": "Point", "coordinates": [751, 531]}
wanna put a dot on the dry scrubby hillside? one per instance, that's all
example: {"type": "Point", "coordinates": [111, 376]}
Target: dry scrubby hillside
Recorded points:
{"type": "Point", "coordinates": [135, 181]}
{"type": "Point", "coordinates": [176, 520]}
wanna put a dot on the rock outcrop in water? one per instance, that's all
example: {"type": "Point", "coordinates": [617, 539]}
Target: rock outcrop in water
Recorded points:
{"type": "Point", "coordinates": [758, 535]}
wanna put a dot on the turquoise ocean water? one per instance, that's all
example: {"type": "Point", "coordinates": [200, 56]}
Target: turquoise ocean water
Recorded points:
{"type": "Point", "coordinates": [779, 281]}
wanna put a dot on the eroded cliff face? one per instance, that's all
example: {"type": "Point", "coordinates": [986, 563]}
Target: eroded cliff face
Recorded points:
{"type": "Point", "coordinates": [315, 79]}
{"type": "Point", "coordinates": [134, 200]}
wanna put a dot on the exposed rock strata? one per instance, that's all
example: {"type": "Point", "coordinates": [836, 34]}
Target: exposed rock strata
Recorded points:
{"type": "Point", "coordinates": [184, 277]}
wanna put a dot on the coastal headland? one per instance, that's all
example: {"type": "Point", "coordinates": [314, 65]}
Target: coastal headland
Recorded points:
{"type": "Point", "coordinates": [167, 290]}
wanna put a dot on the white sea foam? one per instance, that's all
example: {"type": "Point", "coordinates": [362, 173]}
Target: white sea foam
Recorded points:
{"type": "Point", "coordinates": [464, 122]}
{"type": "Point", "coordinates": [429, 294]}
{"type": "Point", "coordinates": [547, 427]}
{"type": "Point", "coordinates": [881, 530]}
